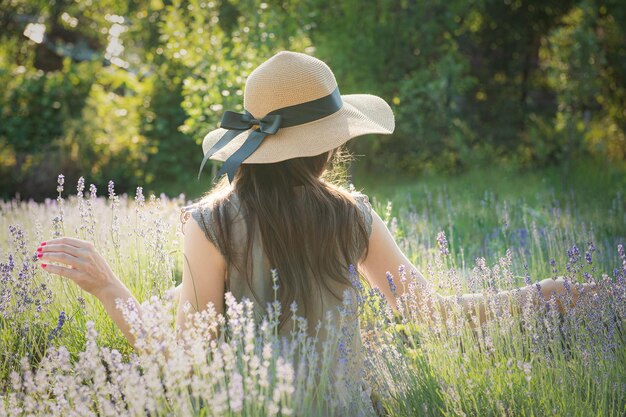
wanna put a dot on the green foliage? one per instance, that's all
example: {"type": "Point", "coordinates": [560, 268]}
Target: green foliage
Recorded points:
{"type": "Point", "coordinates": [108, 137]}
{"type": "Point", "coordinates": [425, 83]}
{"type": "Point", "coordinates": [575, 59]}
{"type": "Point", "coordinates": [218, 44]}
{"type": "Point", "coordinates": [436, 138]}
{"type": "Point", "coordinates": [129, 89]}
{"type": "Point", "coordinates": [35, 108]}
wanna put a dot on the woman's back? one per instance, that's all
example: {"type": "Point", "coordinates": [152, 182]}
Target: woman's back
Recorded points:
{"type": "Point", "coordinates": [261, 287]}
{"type": "Point", "coordinates": [343, 336]}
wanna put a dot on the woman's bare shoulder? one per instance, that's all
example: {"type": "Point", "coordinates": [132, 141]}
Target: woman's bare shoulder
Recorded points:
{"type": "Point", "coordinates": [362, 200]}
{"type": "Point", "coordinates": [203, 208]}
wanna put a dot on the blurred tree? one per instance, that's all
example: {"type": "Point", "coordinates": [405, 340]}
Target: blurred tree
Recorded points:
{"type": "Point", "coordinates": [52, 55]}
{"type": "Point", "coordinates": [216, 44]}
{"type": "Point", "coordinates": [115, 115]}
{"type": "Point", "coordinates": [580, 60]}
{"type": "Point", "coordinates": [503, 43]}
{"type": "Point", "coordinates": [406, 52]}
{"type": "Point", "coordinates": [127, 90]}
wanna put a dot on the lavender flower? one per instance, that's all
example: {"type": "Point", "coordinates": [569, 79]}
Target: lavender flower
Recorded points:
{"type": "Point", "coordinates": [82, 209]}
{"type": "Point", "coordinates": [80, 187]}
{"type": "Point", "coordinates": [139, 197]}
{"type": "Point", "coordinates": [356, 283]}
{"type": "Point", "coordinates": [115, 221]}
{"type": "Point", "coordinates": [90, 218]}
{"type": "Point", "coordinates": [92, 191]}
{"type": "Point", "coordinates": [527, 275]}
{"type": "Point", "coordinates": [57, 222]}
{"type": "Point", "coordinates": [274, 272]}
{"type": "Point", "coordinates": [60, 182]}
{"type": "Point", "coordinates": [18, 240]}
{"type": "Point", "coordinates": [573, 254]}
{"type": "Point", "coordinates": [111, 189]}
{"type": "Point", "coordinates": [538, 286]}
{"type": "Point", "coordinates": [392, 285]}
{"type": "Point", "coordinates": [57, 330]}
{"type": "Point", "coordinates": [566, 285]}
{"type": "Point", "coordinates": [402, 273]}
{"type": "Point", "coordinates": [622, 255]}
{"type": "Point", "coordinates": [443, 243]}
{"type": "Point", "coordinates": [591, 247]}
{"type": "Point", "coordinates": [353, 271]}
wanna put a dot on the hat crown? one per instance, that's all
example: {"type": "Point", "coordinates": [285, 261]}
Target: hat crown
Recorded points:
{"type": "Point", "coordinates": [286, 79]}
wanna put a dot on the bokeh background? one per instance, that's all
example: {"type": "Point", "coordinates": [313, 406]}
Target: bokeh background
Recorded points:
{"type": "Point", "coordinates": [122, 90]}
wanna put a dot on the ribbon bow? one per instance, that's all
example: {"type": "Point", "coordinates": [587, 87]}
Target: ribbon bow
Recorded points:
{"type": "Point", "coordinates": [244, 121]}
{"type": "Point", "coordinates": [236, 123]}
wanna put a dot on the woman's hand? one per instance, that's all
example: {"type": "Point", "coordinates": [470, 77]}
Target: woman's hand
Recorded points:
{"type": "Point", "coordinates": [558, 286]}
{"type": "Point", "coordinates": [91, 272]}
{"type": "Point", "coordinates": [84, 265]}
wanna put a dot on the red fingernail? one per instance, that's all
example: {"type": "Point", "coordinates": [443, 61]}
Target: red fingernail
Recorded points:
{"type": "Point", "coordinates": [39, 255]}
{"type": "Point", "coordinates": [42, 244]}
{"type": "Point", "coordinates": [44, 265]}
{"type": "Point", "coordinates": [39, 249]}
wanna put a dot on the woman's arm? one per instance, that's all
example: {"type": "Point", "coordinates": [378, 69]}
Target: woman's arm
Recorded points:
{"type": "Point", "coordinates": [475, 304]}
{"type": "Point", "coordinates": [384, 255]}
{"type": "Point", "coordinates": [204, 274]}
{"type": "Point", "coordinates": [108, 297]}
{"type": "Point", "coordinates": [87, 268]}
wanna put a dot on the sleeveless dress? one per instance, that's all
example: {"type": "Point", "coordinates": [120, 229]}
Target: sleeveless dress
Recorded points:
{"type": "Point", "coordinates": [261, 292]}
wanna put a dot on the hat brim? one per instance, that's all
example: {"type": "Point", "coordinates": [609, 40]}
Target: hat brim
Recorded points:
{"type": "Point", "coordinates": [360, 114]}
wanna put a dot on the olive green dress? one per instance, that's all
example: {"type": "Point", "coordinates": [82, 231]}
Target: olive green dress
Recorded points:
{"type": "Point", "coordinates": [349, 356]}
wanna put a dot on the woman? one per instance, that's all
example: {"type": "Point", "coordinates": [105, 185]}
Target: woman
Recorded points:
{"type": "Point", "coordinates": [275, 210]}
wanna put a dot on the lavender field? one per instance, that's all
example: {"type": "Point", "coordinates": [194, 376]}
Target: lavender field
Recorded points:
{"type": "Point", "coordinates": [61, 355]}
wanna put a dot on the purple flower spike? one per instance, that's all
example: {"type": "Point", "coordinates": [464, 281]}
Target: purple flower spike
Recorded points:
{"type": "Point", "coordinates": [60, 182]}
{"type": "Point", "coordinates": [443, 243]}
{"type": "Point", "coordinates": [57, 330]}
{"type": "Point", "coordinates": [61, 320]}
{"type": "Point", "coordinates": [573, 254]}
{"type": "Point", "coordinates": [553, 264]}
{"type": "Point", "coordinates": [111, 189]}
{"type": "Point", "coordinates": [80, 187]}
{"type": "Point", "coordinates": [392, 285]}
{"type": "Point", "coordinates": [92, 191]}
{"type": "Point", "coordinates": [527, 279]}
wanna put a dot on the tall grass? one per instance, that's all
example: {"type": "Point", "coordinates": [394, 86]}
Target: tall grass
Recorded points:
{"type": "Point", "coordinates": [60, 354]}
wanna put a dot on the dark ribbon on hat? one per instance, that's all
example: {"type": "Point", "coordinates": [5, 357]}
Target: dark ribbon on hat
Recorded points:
{"type": "Point", "coordinates": [237, 123]}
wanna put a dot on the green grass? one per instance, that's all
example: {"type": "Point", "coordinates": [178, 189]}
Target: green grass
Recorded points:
{"type": "Point", "coordinates": [486, 211]}
{"type": "Point", "coordinates": [517, 221]}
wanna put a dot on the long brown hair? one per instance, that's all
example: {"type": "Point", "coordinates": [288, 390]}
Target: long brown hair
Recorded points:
{"type": "Point", "coordinates": [310, 239]}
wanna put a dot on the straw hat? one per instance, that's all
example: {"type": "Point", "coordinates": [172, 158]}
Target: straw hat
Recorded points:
{"type": "Point", "coordinates": [312, 116]}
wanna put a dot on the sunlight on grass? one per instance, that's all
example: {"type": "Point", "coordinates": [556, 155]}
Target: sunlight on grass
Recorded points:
{"type": "Point", "coordinates": [60, 353]}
